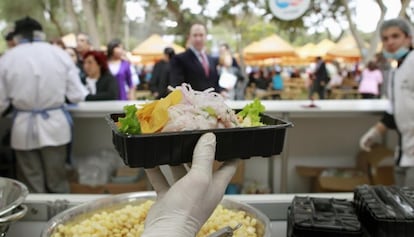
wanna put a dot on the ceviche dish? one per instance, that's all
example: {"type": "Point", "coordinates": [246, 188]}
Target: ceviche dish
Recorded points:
{"type": "Point", "coordinates": [186, 109]}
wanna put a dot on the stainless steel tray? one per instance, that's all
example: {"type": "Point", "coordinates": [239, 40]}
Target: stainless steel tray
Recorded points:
{"type": "Point", "coordinates": [12, 194]}
{"type": "Point", "coordinates": [78, 213]}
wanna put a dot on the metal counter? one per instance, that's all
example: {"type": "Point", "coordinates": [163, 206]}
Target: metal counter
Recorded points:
{"type": "Point", "coordinates": [42, 207]}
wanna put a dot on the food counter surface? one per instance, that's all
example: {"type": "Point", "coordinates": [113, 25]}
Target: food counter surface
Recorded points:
{"type": "Point", "coordinates": [43, 206]}
{"type": "Point", "coordinates": [296, 107]}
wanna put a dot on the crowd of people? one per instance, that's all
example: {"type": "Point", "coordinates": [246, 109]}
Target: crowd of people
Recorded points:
{"type": "Point", "coordinates": [106, 75]}
{"type": "Point", "coordinates": [111, 76]}
{"type": "Point", "coordinates": [317, 81]}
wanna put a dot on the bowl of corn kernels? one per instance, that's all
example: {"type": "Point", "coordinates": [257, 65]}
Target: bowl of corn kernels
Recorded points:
{"type": "Point", "coordinates": [124, 215]}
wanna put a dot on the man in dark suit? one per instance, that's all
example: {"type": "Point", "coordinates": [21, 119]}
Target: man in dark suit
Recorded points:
{"type": "Point", "coordinates": [320, 79]}
{"type": "Point", "coordinates": [194, 66]}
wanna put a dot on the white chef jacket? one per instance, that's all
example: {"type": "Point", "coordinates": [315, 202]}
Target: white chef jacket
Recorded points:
{"type": "Point", "coordinates": [38, 76]}
{"type": "Point", "coordinates": [401, 91]}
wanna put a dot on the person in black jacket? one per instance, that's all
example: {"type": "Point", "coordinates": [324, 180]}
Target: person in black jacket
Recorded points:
{"type": "Point", "coordinates": [194, 66]}
{"type": "Point", "coordinates": [160, 75]}
{"type": "Point", "coordinates": [320, 79]}
{"type": "Point", "coordinates": [99, 81]}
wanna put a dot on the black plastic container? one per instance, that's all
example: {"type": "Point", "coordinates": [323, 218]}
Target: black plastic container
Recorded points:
{"type": "Point", "coordinates": [386, 211]}
{"type": "Point", "coordinates": [322, 217]}
{"type": "Point", "coordinates": [174, 148]}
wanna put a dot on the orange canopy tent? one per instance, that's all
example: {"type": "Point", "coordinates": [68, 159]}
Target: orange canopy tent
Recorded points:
{"type": "Point", "coordinates": [153, 47]}
{"type": "Point", "coordinates": [308, 50]}
{"type": "Point", "coordinates": [324, 46]}
{"type": "Point", "coordinates": [346, 48]}
{"type": "Point", "coordinates": [269, 47]}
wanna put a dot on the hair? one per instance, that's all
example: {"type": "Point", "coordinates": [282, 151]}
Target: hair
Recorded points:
{"type": "Point", "coordinates": [111, 46]}
{"type": "Point", "coordinates": [100, 59]}
{"type": "Point", "coordinates": [225, 45]}
{"type": "Point", "coordinates": [88, 38]}
{"type": "Point", "coordinates": [372, 65]}
{"type": "Point", "coordinates": [402, 24]}
{"type": "Point", "coordinates": [76, 53]}
{"type": "Point", "coordinates": [9, 36]}
{"type": "Point", "coordinates": [169, 52]}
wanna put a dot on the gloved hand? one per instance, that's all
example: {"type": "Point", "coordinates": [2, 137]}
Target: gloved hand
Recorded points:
{"type": "Point", "coordinates": [371, 137]}
{"type": "Point", "coordinates": [182, 209]}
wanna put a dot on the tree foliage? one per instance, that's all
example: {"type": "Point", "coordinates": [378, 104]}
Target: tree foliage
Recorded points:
{"type": "Point", "coordinates": [239, 22]}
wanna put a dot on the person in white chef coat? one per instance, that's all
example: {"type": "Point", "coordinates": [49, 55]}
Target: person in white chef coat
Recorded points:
{"type": "Point", "coordinates": [396, 37]}
{"type": "Point", "coordinates": [36, 78]}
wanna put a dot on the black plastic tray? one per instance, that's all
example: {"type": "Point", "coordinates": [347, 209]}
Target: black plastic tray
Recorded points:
{"type": "Point", "coordinates": [386, 211]}
{"type": "Point", "coordinates": [322, 217]}
{"type": "Point", "coordinates": [174, 148]}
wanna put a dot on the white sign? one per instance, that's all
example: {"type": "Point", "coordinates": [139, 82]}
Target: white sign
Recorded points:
{"type": "Point", "coordinates": [288, 9]}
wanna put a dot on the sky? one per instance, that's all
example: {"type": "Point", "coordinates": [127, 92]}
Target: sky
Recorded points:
{"type": "Point", "coordinates": [367, 13]}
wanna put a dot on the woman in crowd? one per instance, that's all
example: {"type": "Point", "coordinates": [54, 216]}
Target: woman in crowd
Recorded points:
{"type": "Point", "coordinates": [122, 70]}
{"type": "Point", "coordinates": [159, 81]}
{"type": "Point", "coordinates": [74, 55]}
{"type": "Point", "coordinates": [229, 75]}
{"type": "Point", "coordinates": [277, 83]}
{"type": "Point", "coordinates": [261, 81]}
{"type": "Point", "coordinates": [370, 82]}
{"type": "Point", "coordinates": [99, 81]}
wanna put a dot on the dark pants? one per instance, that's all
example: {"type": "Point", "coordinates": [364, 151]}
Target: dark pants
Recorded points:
{"type": "Point", "coordinates": [316, 87]}
{"type": "Point", "coordinates": [43, 170]}
{"type": "Point", "coordinates": [368, 96]}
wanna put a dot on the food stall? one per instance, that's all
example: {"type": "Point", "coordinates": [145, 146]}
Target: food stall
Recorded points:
{"type": "Point", "coordinates": [327, 134]}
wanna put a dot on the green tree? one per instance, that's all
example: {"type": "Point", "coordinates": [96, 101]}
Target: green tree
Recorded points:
{"type": "Point", "coordinates": [244, 20]}
{"type": "Point", "coordinates": [100, 19]}
{"type": "Point", "coordinates": [172, 10]}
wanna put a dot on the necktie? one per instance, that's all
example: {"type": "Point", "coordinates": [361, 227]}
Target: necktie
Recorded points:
{"type": "Point", "coordinates": [204, 63]}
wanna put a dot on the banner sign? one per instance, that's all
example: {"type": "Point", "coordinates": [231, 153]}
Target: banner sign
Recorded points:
{"type": "Point", "coordinates": [288, 9]}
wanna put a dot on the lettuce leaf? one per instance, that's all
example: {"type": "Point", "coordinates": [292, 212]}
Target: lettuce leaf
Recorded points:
{"type": "Point", "coordinates": [250, 114]}
{"type": "Point", "coordinates": [129, 124]}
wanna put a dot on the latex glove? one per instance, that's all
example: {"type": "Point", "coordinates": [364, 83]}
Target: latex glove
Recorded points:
{"type": "Point", "coordinates": [182, 209]}
{"type": "Point", "coordinates": [371, 137]}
